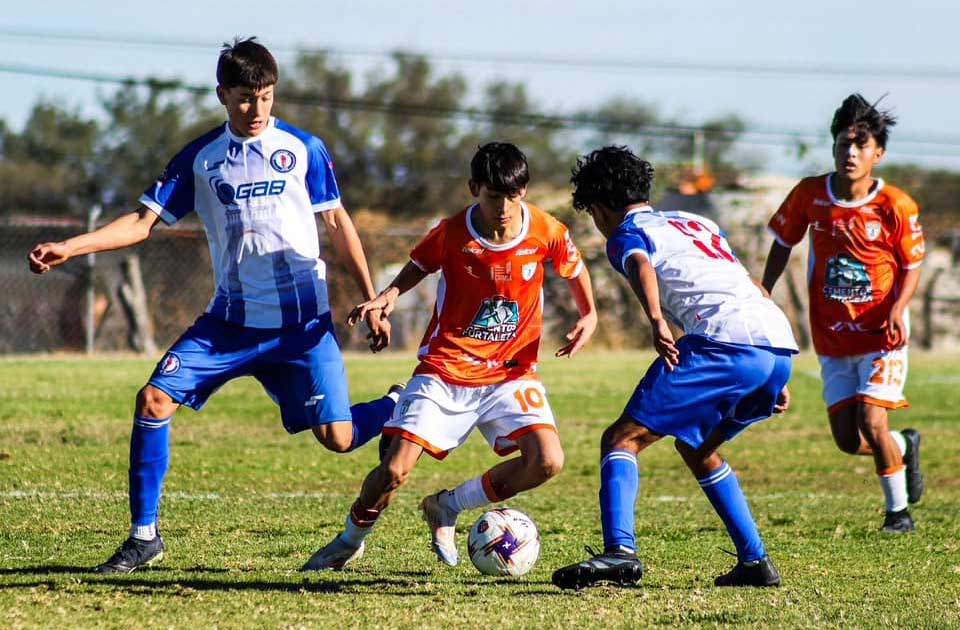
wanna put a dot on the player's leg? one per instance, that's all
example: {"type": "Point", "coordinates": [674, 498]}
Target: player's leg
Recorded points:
{"type": "Point", "coordinates": [511, 415]}
{"type": "Point", "coordinates": [376, 493]}
{"type": "Point", "coordinates": [149, 458]}
{"type": "Point", "coordinates": [619, 485]}
{"type": "Point", "coordinates": [720, 484]}
{"type": "Point", "coordinates": [302, 370]}
{"type": "Point", "coordinates": [888, 461]}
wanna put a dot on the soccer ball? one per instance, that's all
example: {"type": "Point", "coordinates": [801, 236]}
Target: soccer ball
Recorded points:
{"type": "Point", "coordinates": [504, 542]}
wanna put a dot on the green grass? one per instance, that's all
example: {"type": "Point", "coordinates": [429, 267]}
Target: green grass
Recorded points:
{"type": "Point", "coordinates": [245, 505]}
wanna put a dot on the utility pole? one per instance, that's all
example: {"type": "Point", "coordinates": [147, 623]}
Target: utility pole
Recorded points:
{"type": "Point", "coordinates": [91, 327]}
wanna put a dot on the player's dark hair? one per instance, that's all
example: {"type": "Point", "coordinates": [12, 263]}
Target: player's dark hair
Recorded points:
{"type": "Point", "coordinates": [246, 63]}
{"type": "Point", "coordinates": [501, 166]}
{"type": "Point", "coordinates": [865, 118]}
{"type": "Point", "coordinates": [613, 176]}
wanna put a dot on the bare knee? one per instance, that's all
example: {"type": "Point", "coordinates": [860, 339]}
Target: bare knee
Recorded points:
{"type": "Point", "coordinates": [154, 403]}
{"type": "Point", "coordinates": [393, 474]}
{"type": "Point", "coordinates": [335, 436]}
{"type": "Point", "coordinates": [547, 465]}
{"type": "Point", "coordinates": [625, 434]}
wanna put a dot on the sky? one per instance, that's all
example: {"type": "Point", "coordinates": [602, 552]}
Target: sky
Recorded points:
{"type": "Point", "coordinates": [778, 66]}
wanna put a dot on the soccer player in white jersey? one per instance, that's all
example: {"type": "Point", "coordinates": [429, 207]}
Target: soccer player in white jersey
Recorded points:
{"type": "Point", "coordinates": [729, 369]}
{"type": "Point", "coordinates": [261, 188]}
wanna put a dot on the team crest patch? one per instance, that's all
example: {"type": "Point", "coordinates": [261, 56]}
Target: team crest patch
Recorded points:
{"type": "Point", "coordinates": [170, 364]}
{"type": "Point", "coordinates": [527, 270]}
{"type": "Point", "coordinates": [873, 230]}
{"type": "Point", "coordinates": [496, 320]}
{"type": "Point", "coordinates": [283, 161]}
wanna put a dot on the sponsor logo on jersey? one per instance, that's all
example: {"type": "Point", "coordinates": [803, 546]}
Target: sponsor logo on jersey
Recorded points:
{"type": "Point", "coordinates": [822, 202]}
{"type": "Point", "coordinates": [283, 161]}
{"type": "Point", "coordinates": [228, 195]}
{"type": "Point", "coordinates": [476, 251]}
{"type": "Point", "coordinates": [170, 364]}
{"type": "Point", "coordinates": [502, 273]}
{"type": "Point", "coordinates": [496, 320]}
{"type": "Point", "coordinates": [847, 280]}
{"type": "Point", "coordinates": [526, 251]}
{"type": "Point", "coordinates": [527, 270]}
{"type": "Point", "coordinates": [872, 229]}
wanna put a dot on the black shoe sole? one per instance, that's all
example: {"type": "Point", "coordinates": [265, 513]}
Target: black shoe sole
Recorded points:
{"type": "Point", "coordinates": [578, 577]}
{"type": "Point", "coordinates": [915, 485]}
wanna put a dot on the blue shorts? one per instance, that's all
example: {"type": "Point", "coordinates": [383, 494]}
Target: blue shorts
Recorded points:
{"type": "Point", "coordinates": [300, 367]}
{"type": "Point", "coordinates": [716, 387]}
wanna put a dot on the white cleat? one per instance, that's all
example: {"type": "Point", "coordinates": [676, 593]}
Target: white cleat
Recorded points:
{"type": "Point", "coordinates": [335, 555]}
{"type": "Point", "coordinates": [443, 524]}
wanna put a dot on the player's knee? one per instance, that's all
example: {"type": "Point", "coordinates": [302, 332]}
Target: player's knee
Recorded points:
{"type": "Point", "coordinates": [154, 403]}
{"type": "Point", "coordinates": [333, 440]}
{"type": "Point", "coordinates": [872, 425]}
{"type": "Point", "coordinates": [548, 465]}
{"type": "Point", "coordinates": [394, 474]}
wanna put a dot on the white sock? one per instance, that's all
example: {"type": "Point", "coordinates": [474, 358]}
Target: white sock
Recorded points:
{"type": "Point", "coordinates": [144, 532]}
{"type": "Point", "coordinates": [894, 488]}
{"type": "Point", "coordinates": [900, 440]}
{"type": "Point", "coordinates": [353, 534]}
{"type": "Point", "coordinates": [467, 496]}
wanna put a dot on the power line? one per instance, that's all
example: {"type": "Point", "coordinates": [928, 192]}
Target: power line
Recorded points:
{"type": "Point", "coordinates": [572, 122]}
{"type": "Point", "coordinates": [912, 72]}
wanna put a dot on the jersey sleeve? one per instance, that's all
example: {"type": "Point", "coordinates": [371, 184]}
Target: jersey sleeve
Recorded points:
{"type": "Point", "coordinates": [321, 182]}
{"type": "Point", "coordinates": [428, 253]}
{"type": "Point", "coordinates": [624, 243]}
{"type": "Point", "coordinates": [790, 222]}
{"type": "Point", "coordinates": [172, 195]}
{"type": "Point", "coordinates": [910, 243]}
{"type": "Point", "coordinates": [566, 258]}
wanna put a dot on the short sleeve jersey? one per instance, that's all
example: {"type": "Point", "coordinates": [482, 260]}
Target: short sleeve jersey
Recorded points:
{"type": "Point", "coordinates": [256, 198]}
{"type": "Point", "coordinates": [488, 316]}
{"type": "Point", "coordinates": [703, 287]}
{"type": "Point", "coordinates": [859, 252]}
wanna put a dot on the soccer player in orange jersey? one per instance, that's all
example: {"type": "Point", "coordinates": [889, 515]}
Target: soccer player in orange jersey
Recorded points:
{"type": "Point", "coordinates": [478, 357]}
{"type": "Point", "coordinates": [866, 247]}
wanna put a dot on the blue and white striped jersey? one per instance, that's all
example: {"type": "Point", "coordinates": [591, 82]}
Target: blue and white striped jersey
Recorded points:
{"type": "Point", "coordinates": [256, 198]}
{"type": "Point", "coordinates": [703, 287]}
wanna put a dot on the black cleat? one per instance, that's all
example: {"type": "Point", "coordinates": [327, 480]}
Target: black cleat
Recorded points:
{"type": "Point", "coordinates": [618, 567]}
{"type": "Point", "coordinates": [911, 459]}
{"type": "Point", "coordinates": [898, 522]}
{"type": "Point", "coordinates": [133, 554]}
{"type": "Point", "coordinates": [758, 573]}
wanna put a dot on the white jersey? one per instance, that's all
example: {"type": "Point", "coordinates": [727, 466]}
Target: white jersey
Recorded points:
{"type": "Point", "coordinates": [703, 287]}
{"type": "Point", "coordinates": [256, 198]}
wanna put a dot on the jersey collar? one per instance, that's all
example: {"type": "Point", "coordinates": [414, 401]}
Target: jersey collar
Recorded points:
{"type": "Point", "coordinates": [852, 204]}
{"type": "Point", "coordinates": [503, 246]}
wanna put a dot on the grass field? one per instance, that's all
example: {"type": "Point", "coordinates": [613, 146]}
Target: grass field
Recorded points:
{"type": "Point", "coordinates": [245, 505]}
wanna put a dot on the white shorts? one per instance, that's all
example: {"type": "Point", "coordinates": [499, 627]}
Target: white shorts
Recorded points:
{"type": "Point", "coordinates": [876, 378]}
{"type": "Point", "coordinates": [439, 416]}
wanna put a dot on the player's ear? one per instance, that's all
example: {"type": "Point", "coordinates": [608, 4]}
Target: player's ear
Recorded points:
{"type": "Point", "coordinates": [474, 187]}
{"type": "Point", "coordinates": [878, 155]}
{"type": "Point", "coordinates": [222, 95]}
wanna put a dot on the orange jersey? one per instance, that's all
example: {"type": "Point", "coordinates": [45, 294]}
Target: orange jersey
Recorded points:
{"type": "Point", "coordinates": [858, 254]}
{"type": "Point", "coordinates": [488, 316]}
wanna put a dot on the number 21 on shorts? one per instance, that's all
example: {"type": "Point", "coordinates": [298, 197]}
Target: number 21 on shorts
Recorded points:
{"type": "Point", "coordinates": [528, 398]}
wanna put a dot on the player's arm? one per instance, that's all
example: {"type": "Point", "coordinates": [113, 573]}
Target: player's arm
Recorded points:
{"type": "Point", "coordinates": [346, 241]}
{"type": "Point", "coordinates": [896, 327]}
{"type": "Point", "coordinates": [409, 277]}
{"type": "Point", "coordinates": [776, 263]}
{"type": "Point", "coordinates": [124, 231]}
{"type": "Point", "coordinates": [643, 281]}
{"type": "Point", "coordinates": [582, 291]}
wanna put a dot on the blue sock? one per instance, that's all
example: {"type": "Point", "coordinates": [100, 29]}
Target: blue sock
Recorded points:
{"type": "Point", "coordinates": [723, 490]}
{"type": "Point", "coordinates": [619, 483]}
{"type": "Point", "coordinates": [149, 456]}
{"type": "Point", "coordinates": [369, 418]}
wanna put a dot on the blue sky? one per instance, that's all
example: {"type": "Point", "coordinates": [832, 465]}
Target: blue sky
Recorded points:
{"type": "Point", "coordinates": [821, 51]}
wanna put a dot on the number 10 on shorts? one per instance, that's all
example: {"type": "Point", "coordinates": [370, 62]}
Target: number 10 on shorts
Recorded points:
{"type": "Point", "coordinates": [529, 398]}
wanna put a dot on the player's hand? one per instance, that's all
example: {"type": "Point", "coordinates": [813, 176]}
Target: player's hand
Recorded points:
{"type": "Point", "coordinates": [783, 401]}
{"type": "Point", "coordinates": [379, 334]}
{"type": "Point", "coordinates": [579, 335]}
{"type": "Point", "coordinates": [664, 344]}
{"type": "Point", "coordinates": [384, 302]}
{"type": "Point", "coordinates": [46, 256]}
{"type": "Point", "coordinates": [896, 330]}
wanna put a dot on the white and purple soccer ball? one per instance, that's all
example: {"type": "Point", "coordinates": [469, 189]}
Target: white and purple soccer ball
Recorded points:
{"type": "Point", "coordinates": [504, 542]}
